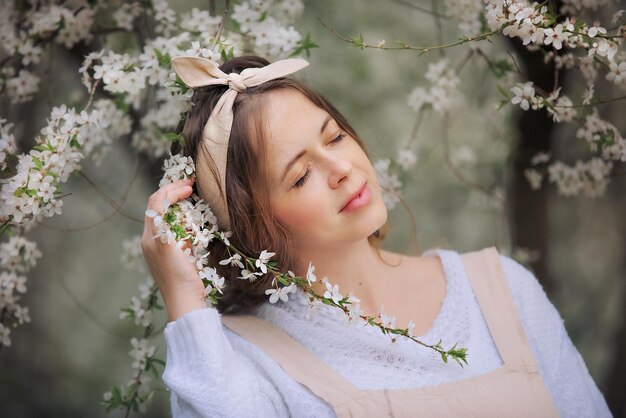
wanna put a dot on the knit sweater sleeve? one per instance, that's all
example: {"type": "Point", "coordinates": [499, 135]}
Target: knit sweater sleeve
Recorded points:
{"type": "Point", "coordinates": [560, 364]}
{"type": "Point", "coordinates": [208, 378]}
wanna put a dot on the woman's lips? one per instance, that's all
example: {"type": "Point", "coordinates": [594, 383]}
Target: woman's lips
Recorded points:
{"type": "Point", "coordinates": [359, 200]}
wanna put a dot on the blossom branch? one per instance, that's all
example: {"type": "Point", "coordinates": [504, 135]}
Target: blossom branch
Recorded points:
{"type": "Point", "coordinates": [179, 224]}
{"type": "Point", "coordinates": [359, 42]}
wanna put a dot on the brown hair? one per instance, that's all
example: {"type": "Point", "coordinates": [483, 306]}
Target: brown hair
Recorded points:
{"type": "Point", "coordinates": [253, 225]}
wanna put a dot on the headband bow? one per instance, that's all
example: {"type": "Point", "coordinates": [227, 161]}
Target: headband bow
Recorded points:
{"type": "Point", "coordinates": [198, 72]}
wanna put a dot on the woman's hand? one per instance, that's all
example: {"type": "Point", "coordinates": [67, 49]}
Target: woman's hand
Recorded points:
{"type": "Point", "coordinates": [177, 279]}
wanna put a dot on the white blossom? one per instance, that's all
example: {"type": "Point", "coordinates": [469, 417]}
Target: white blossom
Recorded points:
{"type": "Point", "coordinates": [200, 21]}
{"type": "Point", "coordinates": [7, 143]}
{"type": "Point", "coordinates": [234, 260]}
{"type": "Point", "coordinates": [406, 159]}
{"type": "Point", "coordinates": [387, 321]}
{"type": "Point", "coordinates": [539, 158]}
{"type": "Point", "coordinates": [524, 95]}
{"type": "Point", "coordinates": [562, 110]}
{"type": "Point", "coordinates": [584, 178]}
{"type": "Point", "coordinates": [141, 352]}
{"type": "Point", "coordinates": [389, 182]}
{"type": "Point", "coordinates": [5, 335]}
{"type": "Point", "coordinates": [332, 291]}
{"type": "Point", "coordinates": [310, 274]}
{"type": "Point", "coordinates": [21, 314]}
{"type": "Point", "coordinates": [23, 87]}
{"type": "Point", "coordinates": [595, 129]}
{"type": "Point", "coordinates": [175, 168]}
{"type": "Point", "coordinates": [249, 275]}
{"type": "Point", "coordinates": [19, 254]}
{"type": "Point", "coordinates": [125, 14]}
{"type": "Point", "coordinates": [442, 94]}
{"type": "Point", "coordinates": [534, 177]}
{"type": "Point", "coordinates": [261, 262]}
{"type": "Point", "coordinates": [617, 73]}
{"type": "Point", "coordinates": [136, 310]}
{"type": "Point", "coordinates": [281, 293]}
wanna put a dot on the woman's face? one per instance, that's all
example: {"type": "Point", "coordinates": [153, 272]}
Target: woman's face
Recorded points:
{"type": "Point", "coordinates": [315, 168]}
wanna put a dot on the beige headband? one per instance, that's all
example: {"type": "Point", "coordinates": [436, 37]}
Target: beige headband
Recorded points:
{"type": "Point", "coordinates": [197, 72]}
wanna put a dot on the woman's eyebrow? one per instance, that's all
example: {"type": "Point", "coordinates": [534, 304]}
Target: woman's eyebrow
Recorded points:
{"type": "Point", "coordinates": [301, 153]}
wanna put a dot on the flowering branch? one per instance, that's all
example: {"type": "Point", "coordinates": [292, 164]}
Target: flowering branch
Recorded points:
{"type": "Point", "coordinates": [190, 224]}
{"type": "Point", "coordinates": [136, 393]}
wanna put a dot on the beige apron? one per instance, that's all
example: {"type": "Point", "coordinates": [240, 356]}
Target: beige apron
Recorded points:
{"type": "Point", "coordinates": [515, 389]}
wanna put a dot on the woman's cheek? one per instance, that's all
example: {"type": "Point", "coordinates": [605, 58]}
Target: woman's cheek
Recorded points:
{"type": "Point", "coordinates": [298, 214]}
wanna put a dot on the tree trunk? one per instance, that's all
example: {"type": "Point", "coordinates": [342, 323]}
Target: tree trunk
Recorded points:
{"type": "Point", "coordinates": [528, 209]}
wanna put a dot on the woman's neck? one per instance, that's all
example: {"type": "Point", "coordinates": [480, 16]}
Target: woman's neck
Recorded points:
{"type": "Point", "coordinates": [356, 268]}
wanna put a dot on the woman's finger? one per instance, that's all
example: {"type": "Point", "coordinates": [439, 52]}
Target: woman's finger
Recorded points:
{"type": "Point", "coordinates": [158, 197]}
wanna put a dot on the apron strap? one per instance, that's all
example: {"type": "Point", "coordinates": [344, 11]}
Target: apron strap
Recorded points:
{"type": "Point", "coordinates": [298, 362]}
{"type": "Point", "coordinates": [489, 284]}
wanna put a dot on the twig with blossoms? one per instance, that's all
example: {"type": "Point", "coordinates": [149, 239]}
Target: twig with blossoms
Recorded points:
{"type": "Point", "coordinates": [135, 394]}
{"type": "Point", "coordinates": [190, 224]}
{"type": "Point", "coordinates": [17, 256]}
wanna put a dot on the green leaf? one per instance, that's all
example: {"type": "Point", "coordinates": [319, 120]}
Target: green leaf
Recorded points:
{"type": "Point", "coordinates": [175, 137]}
{"type": "Point", "coordinates": [502, 104]}
{"type": "Point", "coordinates": [74, 142]}
{"type": "Point", "coordinates": [178, 83]}
{"type": "Point", "coordinates": [304, 45]}
{"type": "Point", "coordinates": [180, 231]}
{"type": "Point", "coordinates": [158, 361]}
{"type": "Point", "coordinates": [501, 67]}
{"type": "Point", "coordinates": [169, 217]}
{"type": "Point", "coordinates": [227, 54]}
{"type": "Point", "coordinates": [484, 27]}
{"type": "Point", "coordinates": [118, 99]}
{"type": "Point", "coordinates": [164, 59]}
{"type": "Point", "coordinates": [37, 162]}
{"type": "Point", "coordinates": [130, 312]}
{"type": "Point", "coordinates": [359, 42]}
{"type": "Point", "coordinates": [117, 395]}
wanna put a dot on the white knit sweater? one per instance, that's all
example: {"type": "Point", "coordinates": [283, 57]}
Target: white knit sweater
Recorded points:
{"type": "Point", "coordinates": [213, 372]}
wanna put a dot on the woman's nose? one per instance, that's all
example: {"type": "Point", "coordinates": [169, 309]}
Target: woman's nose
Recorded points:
{"type": "Point", "coordinates": [340, 169]}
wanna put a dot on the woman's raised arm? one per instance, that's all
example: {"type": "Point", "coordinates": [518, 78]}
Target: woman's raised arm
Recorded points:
{"type": "Point", "coordinates": [206, 377]}
{"type": "Point", "coordinates": [177, 279]}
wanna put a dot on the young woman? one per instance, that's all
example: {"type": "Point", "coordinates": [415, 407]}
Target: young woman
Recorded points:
{"type": "Point", "coordinates": [285, 172]}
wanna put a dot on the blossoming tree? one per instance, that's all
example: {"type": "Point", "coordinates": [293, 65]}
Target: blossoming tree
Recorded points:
{"type": "Point", "coordinates": [132, 95]}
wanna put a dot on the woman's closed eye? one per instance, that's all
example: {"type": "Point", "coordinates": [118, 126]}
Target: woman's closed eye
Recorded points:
{"type": "Point", "coordinates": [303, 179]}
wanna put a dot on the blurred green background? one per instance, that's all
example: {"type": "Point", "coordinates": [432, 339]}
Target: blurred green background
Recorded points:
{"type": "Point", "coordinates": [75, 348]}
